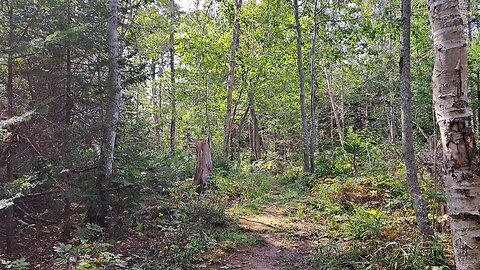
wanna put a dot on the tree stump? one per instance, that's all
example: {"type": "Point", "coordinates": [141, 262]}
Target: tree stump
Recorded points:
{"type": "Point", "coordinates": [204, 165]}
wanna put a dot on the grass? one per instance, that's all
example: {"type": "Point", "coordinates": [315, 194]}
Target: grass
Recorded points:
{"type": "Point", "coordinates": [362, 222]}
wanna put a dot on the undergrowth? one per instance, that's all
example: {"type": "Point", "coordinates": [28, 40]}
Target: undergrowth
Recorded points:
{"type": "Point", "coordinates": [358, 202]}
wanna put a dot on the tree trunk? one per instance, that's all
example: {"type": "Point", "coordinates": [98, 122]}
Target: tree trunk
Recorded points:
{"type": "Point", "coordinates": [173, 101]}
{"type": "Point", "coordinates": [231, 79]}
{"type": "Point", "coordinates": [478, 98]}
{"type": "Point", "coordinates": [157, 100]}
{"type": "Point", "coordinates": [301, 78]}
{"type": "Point", "coordinates": [67, 225]}
{"type": "Point", "coordinates": [99, 212]}
{"type": "Point", "coordinates": [391, 101]}
{"type": "Point", "coordinates": [421, 212]}
{"type": "Point", "coordinates": [256, 143]}
{"type": "Point", "coordinates": [239, 134]}
{"type": "Point", "coordinates": [335, 112]}
{"type": "Point", "coordinates": [342, 104]}
{"type": "Point", "coordinates": [313, 92]}
{"type": "Point", "coordinates": [204, 165]}
{"type": "Point", "coordinates": [460, 157]}
{"type": "Point", "coordinates": [9, 211]}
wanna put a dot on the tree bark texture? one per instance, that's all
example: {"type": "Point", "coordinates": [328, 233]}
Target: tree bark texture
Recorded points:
{"type": "Point", "coordinates": [204, 165]}
{"type": "Point", "coordinates": [460, 158]}
{"type": "Point", "coordinates": [301, 79]}
{"type": "Point", "coordinates": [421, 212]}
{"type": "Point", "coordinates": [231, 79]}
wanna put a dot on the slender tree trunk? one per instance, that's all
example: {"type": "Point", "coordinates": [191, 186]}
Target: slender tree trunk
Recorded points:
{"type": "Point", "coordinates": [158, 99]}
{"type": "Point", "coordinates": [301, 78]}
{"type": "Point", "coordinates": [313, 92]}
{"type": "Point", "coordinates": [239, 134]}
{"type": "Point", "coordinates": [256, 143]}
{"type": "Point", "coordinates": [68, 122]}
{"type": "Point", "coordinates": [207, 107]}
{"type": "Point", "coordinates": [460, 157]}
{"type": "Point", "coordinates": [391, 93]}
{"type": "Point", "coordinates": [111, 115]}
{"type": "Point", "coordinates": [231, 79]}
{"type": "Point", "coordinates": [255, 134]}
{"type": "Point", "coordinates": [478, 98]}
{"type": "Point", "coordinates": [469, 19]}
{"type": "Point", "coordinates": [9, 211]}
{"type": "Point", "coordinates": [173, 120]}
{"type": "Point", "coordinates": [421, 212]}
{"type": "Point", "coordinates": [328, 78]}
{"type": "Point", "coordinates": [342, 104]}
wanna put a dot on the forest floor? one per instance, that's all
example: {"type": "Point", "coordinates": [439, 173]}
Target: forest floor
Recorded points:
{"type": "Point", "coordinates": [283, 243]}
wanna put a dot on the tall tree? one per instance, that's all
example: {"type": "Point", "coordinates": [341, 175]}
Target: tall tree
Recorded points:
{"type": "Point", "coordinates": [407, 132]}
{"type": "Point", "coordinates": [231, 79]}
{"type": "Point", "coordinates": [460, 157]}
{"type": "Point", "coordinates": [173, 101]}
{"type": "Point", "coordinates": [112, 112]}
{"type": "Point", "coordinates": [313, 91]}
{"type": "Point", "coordinates": [301, 78]}
{"type": "Point", "coordinates": [9, 222]}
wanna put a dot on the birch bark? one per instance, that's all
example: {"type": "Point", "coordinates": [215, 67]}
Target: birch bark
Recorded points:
{"type": "Point", "coordinates": [460, 157]}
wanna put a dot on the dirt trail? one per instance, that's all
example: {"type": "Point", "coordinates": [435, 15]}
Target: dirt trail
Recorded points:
{"type": "Point", "coordinates": [285, 244]}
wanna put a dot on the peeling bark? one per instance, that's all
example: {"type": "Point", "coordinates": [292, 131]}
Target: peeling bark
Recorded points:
{"type": "Point", "coordinates": [460, 158]}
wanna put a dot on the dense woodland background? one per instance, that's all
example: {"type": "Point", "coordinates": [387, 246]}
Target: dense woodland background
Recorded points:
{"type": "Point", "coordinates": [184, 76]}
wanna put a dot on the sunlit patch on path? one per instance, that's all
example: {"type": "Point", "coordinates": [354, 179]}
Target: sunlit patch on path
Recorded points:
{"type": "Point", "coordinates": [285, 245]}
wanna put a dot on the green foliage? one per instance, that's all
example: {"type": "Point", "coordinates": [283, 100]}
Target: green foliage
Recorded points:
{"type": "Point", "coordinates": [363, 154]}
{"type": "Point", "coordinates": [208, 211]}
{"type": "Point", "coordinates": [89, 256]}
{"type": "Point", "coordinates": [21, 263]}
{"type": "Point", "coordinates": [90, 232]}
{"type": "Point", "coordinates": [380, 255]}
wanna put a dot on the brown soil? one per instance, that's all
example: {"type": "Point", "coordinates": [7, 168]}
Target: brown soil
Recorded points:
{"type": "Point", "coordinates": [285, 245]}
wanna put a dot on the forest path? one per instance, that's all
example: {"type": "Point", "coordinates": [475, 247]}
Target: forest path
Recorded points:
{"type": "Point", "coordinates": [284, 244]}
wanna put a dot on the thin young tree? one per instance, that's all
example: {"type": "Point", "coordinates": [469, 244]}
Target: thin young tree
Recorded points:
{"type": "Point", "coordinates": [10, 161]}
{"type": "Point", "coordinates": [421, 213]}
{"type": "Point", "coordinates": [112, 112]}
{"type": "Point", "coordinates": [460, 157]}
{"type": "Point", "coordinates": [301, 78]}
{"type": "Point", "coordinates": [173, 101]}
{"type": "Point", "coordinates": [231, 79]}
{"type": "Point", "coordinates": [313, 91]}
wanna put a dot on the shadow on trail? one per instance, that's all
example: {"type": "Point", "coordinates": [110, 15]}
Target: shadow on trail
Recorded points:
{"type": "Point", "coordinates": [284, 244]}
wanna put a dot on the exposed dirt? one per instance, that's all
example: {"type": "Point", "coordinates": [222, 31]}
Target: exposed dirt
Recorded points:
{"type": "Point", "coordinates": [285, 244]}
